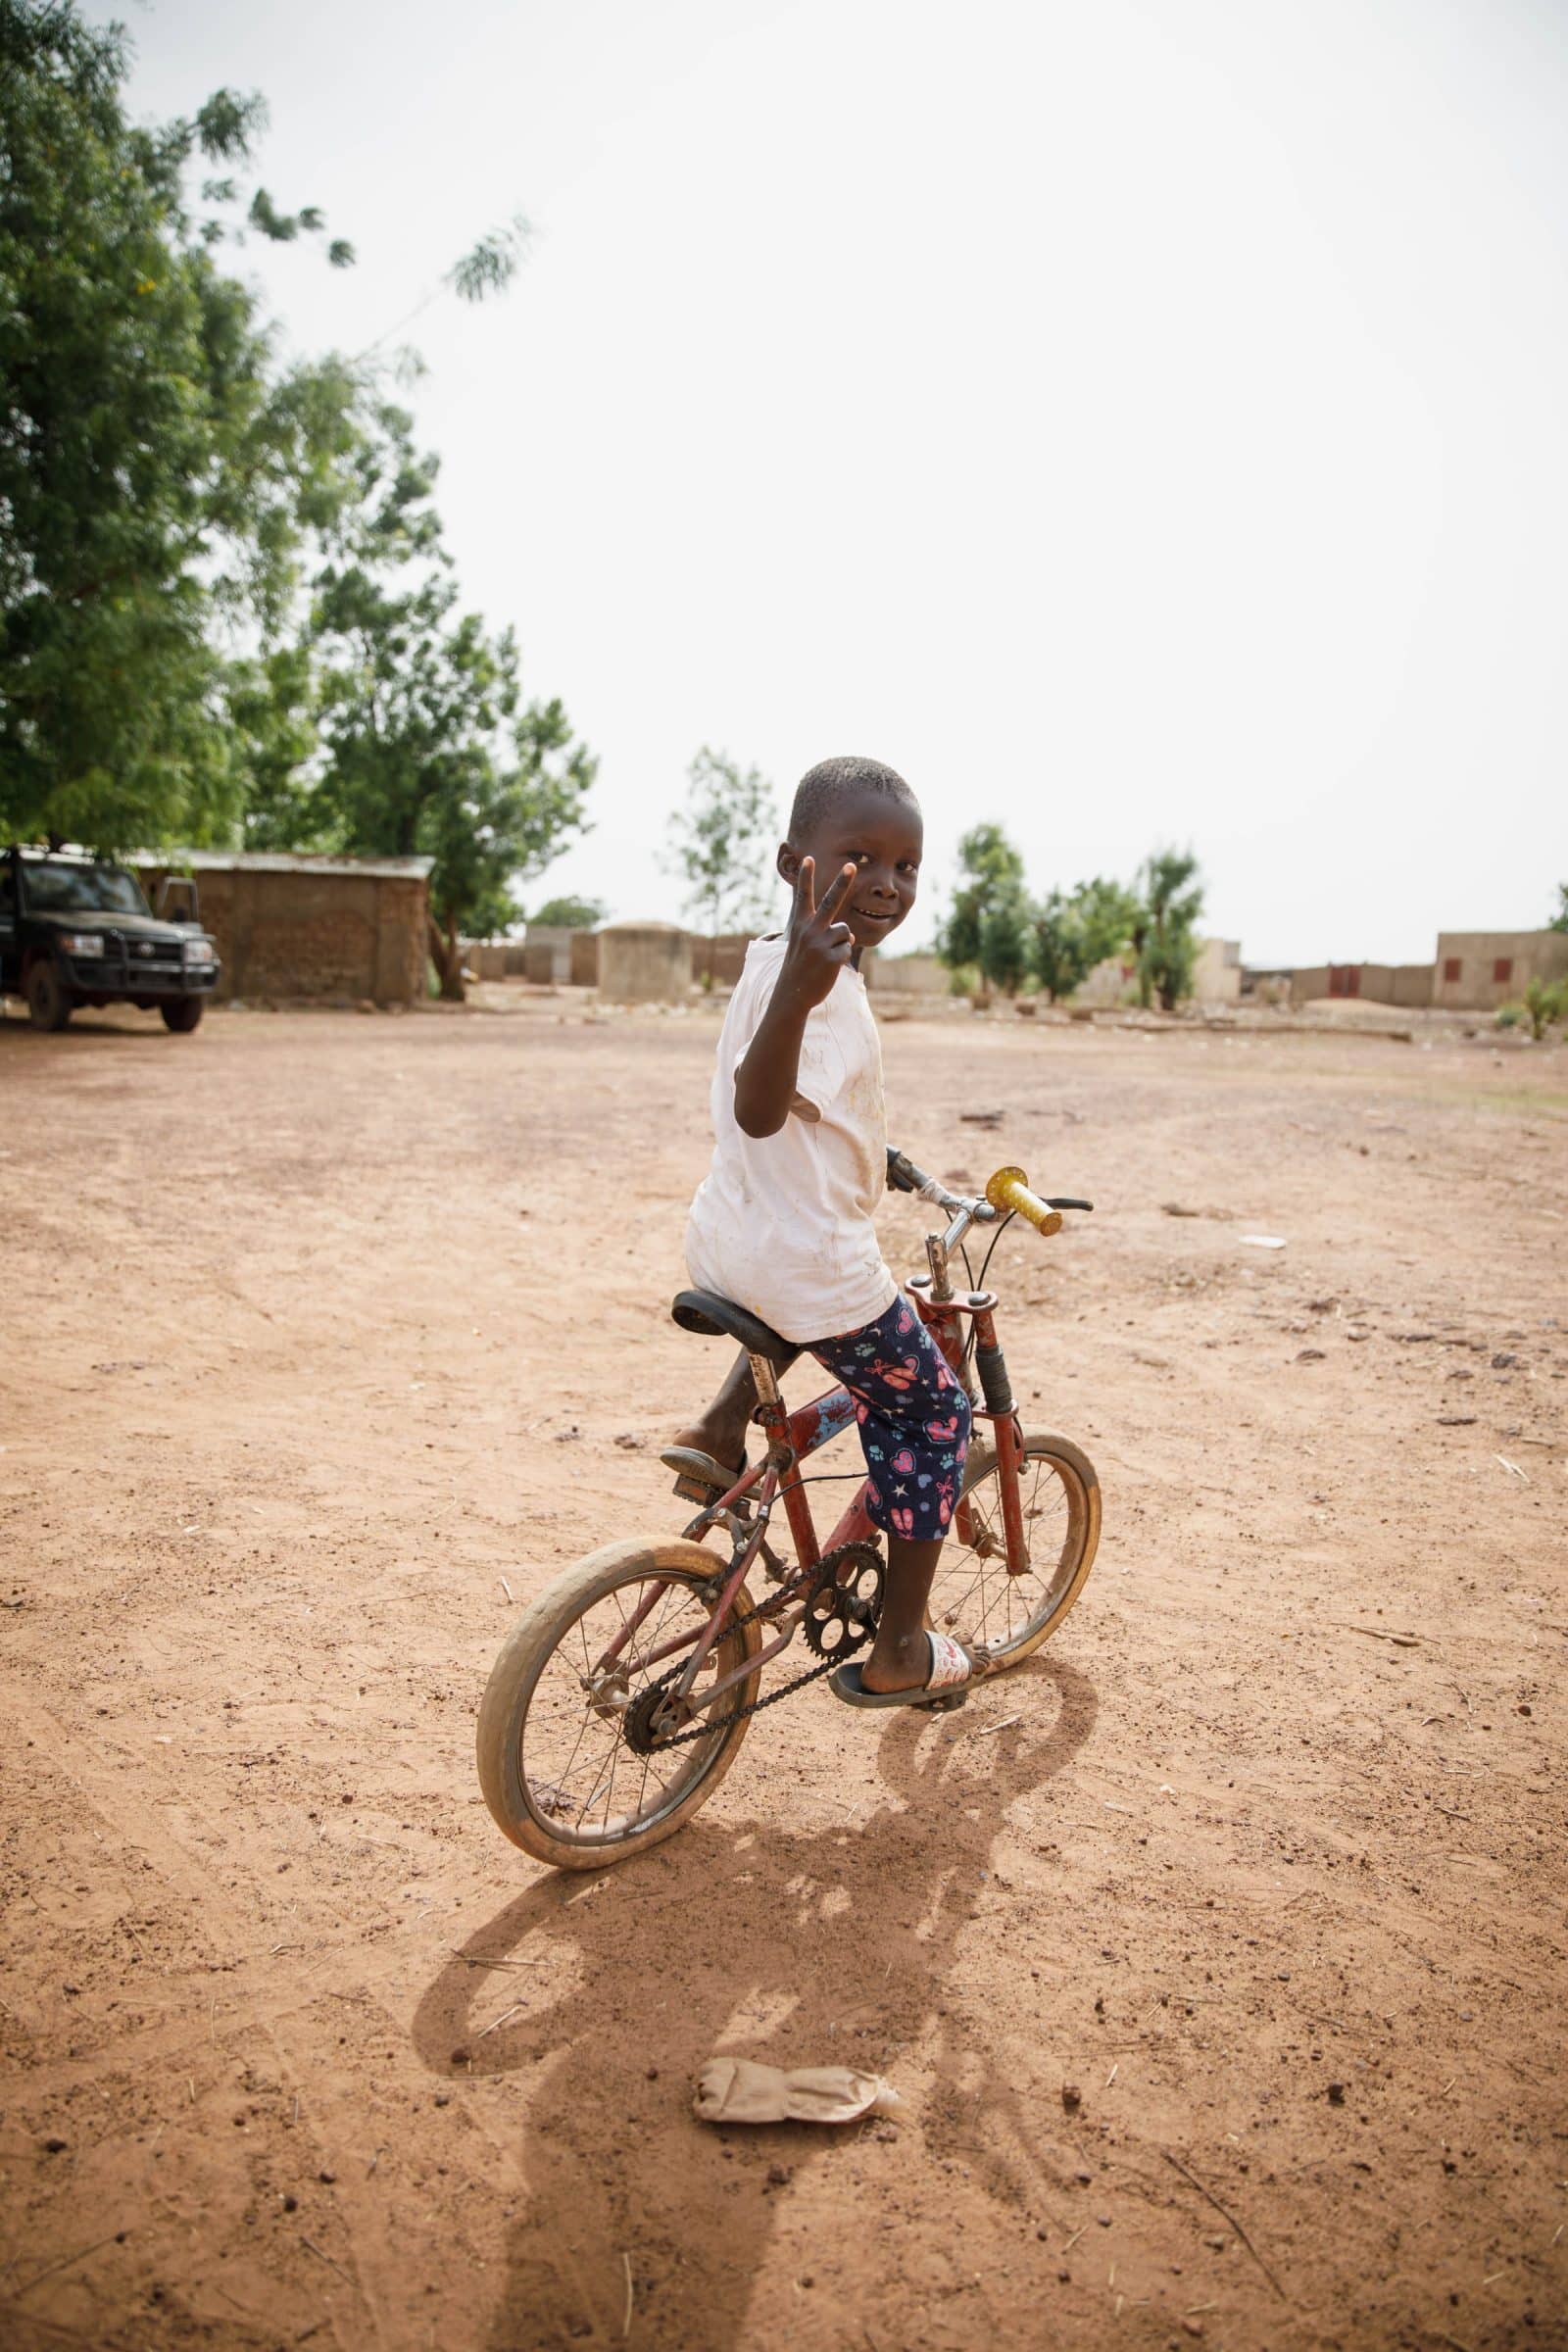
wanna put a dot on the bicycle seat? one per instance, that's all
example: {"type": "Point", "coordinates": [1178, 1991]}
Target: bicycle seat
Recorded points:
{"type": "Point", "coordinates": [712, 1318]}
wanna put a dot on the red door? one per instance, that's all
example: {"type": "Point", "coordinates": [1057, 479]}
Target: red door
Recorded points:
{"type": "Point", "coordinates": [1344, 979]}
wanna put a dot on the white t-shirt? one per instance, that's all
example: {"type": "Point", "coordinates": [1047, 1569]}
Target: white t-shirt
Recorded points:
{"type": "Point", "coordinates": [783, 1223]}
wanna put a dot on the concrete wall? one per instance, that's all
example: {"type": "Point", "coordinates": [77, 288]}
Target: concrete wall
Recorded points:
{"type": "Point", "coordinates": [1217, 974]}
{"type": "Point", "coordinates": [548, 953]}
{"type": "Point", "coordinates": [1406, 984]}
{"type": "Point", "coordinates": [727, 954]}
{"type": "Point", "coordinates": [645, 964]}
{"type": "Point", "coordinates": [906, 975]}
{"type": "Point", "coordinates": [334, 929]}
{"type": "Point", "coordinates": [485, 958]}
{"type": "Point", "coordinates": [1478, 985]}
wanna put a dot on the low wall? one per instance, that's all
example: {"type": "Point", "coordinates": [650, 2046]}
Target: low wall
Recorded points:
{"type": "Point", "coordinates": [905, 975]}
{"type": "Point", "coordinates": [644, 963]}
{"type": "Point", "coordinates": [547, 953]}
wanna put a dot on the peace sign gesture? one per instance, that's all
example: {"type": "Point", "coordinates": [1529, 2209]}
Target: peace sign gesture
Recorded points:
{"type": "Point", "coordinates": [819, 945]}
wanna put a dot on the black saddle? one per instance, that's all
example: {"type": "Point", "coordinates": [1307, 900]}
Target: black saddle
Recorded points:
{"type": "Point", "coordinates": [715, 1318]}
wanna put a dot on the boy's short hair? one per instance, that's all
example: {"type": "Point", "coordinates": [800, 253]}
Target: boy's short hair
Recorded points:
{"type": "Point", "coordinates": [831, 780]}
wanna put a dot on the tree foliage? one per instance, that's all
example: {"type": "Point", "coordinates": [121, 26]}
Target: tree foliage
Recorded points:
{"type": "Point", "coordinates": [226, 609]}
{"type": "Point", "coordinates": [723, 844]}
{"type": "Point", "coordinates": [156, 471]}
{"type": "Point", "coordinates": [427, 745]}
{"type": "Point", "coordinates": [1005, 934]}
{"type": "Point", "coordinates": [1075, 930]}
{"type": "Point", "coordinates": [993, 871]}
{"type": "Point", "coordinates": [570, 913]}
{"type": "Point", "coordinates": [1165, 935]}
{"type": "Point", "coordinates": [1560, 921]}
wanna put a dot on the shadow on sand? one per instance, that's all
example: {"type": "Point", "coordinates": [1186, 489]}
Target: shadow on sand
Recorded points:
{"type": "Point", "coordinates": [832, 1946]}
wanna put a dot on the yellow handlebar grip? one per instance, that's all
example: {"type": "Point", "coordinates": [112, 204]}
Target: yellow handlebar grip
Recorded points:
{"type": "Point", "coordinates": [1008, 1190]}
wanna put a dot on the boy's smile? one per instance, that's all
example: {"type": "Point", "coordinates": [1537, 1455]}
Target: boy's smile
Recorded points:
{"type": "Point", "coordinates": [882, 838]}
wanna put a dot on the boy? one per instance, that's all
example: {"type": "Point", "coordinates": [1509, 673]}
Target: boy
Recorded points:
{"type": "Point", "coordinates": [782, 1223]}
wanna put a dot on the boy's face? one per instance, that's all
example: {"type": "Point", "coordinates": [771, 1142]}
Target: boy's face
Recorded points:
{"type": "Point", "coordinates": [883, 839]}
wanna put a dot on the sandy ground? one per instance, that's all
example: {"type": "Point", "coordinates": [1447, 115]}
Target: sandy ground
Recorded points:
{"type": "Point", "coordinates": [318, 1327]}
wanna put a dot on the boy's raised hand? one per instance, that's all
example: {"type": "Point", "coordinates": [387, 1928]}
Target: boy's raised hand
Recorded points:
{"type": "Point", "coordinates": [818, 944]}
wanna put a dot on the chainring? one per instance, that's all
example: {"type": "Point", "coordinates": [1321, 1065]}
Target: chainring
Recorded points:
{"type": "Point", "coordinates": [845, 1603]}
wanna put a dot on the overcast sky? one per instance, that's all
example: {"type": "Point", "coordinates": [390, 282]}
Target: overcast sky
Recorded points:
{"type": "Point", "coordinates": [1138, 422]}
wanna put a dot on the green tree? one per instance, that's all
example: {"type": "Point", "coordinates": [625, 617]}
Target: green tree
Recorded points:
{"type": "Point", "coordinates": [723, 844]}
{"type": "Point", "coordinates": [991, 871]}
{"type": "Point", "coordinates": [156, 470]}
{"type": "Point", "coordinates": [1005, 942]}
{"type": "Point", "coordinates": [428, 749]}
{"type": "Point", "coordinates": [1164, 936]}
{"type": "Point", "coordinates": [1560, 921]}
{"type": "Point", "coordinates": [1074, 931]}
{"type": "Point", "coordinates": [570, 913]}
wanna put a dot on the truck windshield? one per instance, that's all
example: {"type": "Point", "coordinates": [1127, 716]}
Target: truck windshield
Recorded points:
{"type": "Point", "coordinates": [61, 889]}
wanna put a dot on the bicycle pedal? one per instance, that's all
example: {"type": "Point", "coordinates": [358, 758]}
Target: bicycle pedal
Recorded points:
{"type": "Point", "coordinates": [692, 1490]}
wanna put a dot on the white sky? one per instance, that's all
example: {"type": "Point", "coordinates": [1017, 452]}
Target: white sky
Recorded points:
{"type": "Point", "coordinates": [1138, 422]}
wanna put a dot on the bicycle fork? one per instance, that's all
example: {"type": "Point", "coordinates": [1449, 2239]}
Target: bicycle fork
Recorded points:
{"type": "Point", "coordinates": [940, 1308]}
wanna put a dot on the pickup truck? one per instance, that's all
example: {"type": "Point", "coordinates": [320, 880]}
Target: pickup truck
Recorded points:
{"type": "Point", "coordinates": [77, 930]}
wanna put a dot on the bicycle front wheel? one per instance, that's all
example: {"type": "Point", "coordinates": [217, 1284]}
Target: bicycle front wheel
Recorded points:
{"type": "Point", "coordinates": [567, 1769]}
{"type": "Point", "coordinates": [974, 1596]}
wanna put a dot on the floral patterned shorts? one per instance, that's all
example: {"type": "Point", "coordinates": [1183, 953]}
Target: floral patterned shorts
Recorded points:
{"type": "Point", "coordinates": [913, 1419]}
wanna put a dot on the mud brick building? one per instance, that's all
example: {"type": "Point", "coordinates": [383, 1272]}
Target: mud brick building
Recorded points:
{"type": "Point", "coordinates": [341, 930]}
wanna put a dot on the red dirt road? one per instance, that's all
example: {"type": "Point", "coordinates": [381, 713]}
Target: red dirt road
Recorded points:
{"type": "Point", "coordinates": [318, 1327]}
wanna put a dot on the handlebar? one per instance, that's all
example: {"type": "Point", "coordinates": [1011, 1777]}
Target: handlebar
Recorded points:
{"type": "Point", "coordinates": [1006, 1194]}
{"type": "Point", "coordinates": [1008, 1189]}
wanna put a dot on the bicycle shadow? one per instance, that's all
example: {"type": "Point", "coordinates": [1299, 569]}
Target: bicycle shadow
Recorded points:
{"type": "Point", "coordinates": [820, 1947]}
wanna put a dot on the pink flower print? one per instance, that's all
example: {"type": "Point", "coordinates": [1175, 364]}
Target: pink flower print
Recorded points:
{"type": "Point", "coordinates": [943, 1430]}
{"type": "Point", "coordinates": [944, 1509]}
{"type": "Point", "coordinates": [903, 1461]}
{"type": "Point", "coordinates": [901, 1376]}
{"type": "Point", "coordinates": [903, 1521]}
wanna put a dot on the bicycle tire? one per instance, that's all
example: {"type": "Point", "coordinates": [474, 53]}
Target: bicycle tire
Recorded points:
{"type": "Point", "coordinates": [969, 1587]}
{"type": "Point", "coordinates": [529, 1812]}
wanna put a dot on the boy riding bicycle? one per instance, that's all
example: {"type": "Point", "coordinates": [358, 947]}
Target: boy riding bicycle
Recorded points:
{"type": "Point", "coordinates": [783, 1222]}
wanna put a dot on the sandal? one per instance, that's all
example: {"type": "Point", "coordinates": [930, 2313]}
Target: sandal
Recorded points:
{"type": "Point", "coordinates": [698, 1476]}
{"type": "Point", "coordinates": [952, 1669]}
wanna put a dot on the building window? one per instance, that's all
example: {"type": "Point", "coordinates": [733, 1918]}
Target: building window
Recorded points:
{"type": "Point", "coordinates": [1451, 967]}
{"type": "Point", "coordinates": [1503, 970]}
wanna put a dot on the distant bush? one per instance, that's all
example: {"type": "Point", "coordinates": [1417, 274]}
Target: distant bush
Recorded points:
{"type": "Point", "coordinates": [1509, 1016]}
{"type": "Point", "coordinates": [1545, 1001]}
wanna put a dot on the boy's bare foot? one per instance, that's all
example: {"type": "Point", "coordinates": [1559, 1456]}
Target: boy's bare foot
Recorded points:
{"type": "Point", "coordinates": [725, 1449]}
{"type": "Point", "coordinates": [720, 1432]}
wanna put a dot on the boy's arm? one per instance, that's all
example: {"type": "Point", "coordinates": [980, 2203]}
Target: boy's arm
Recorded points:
{"type": "Point", "coordinates": [819, 946]}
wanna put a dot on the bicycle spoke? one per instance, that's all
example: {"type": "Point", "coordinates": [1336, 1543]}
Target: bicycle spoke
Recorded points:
{"type": "Point", "coordinates": [976, 1591]}
{"type": "Point", "coordinates": [575, 1753]}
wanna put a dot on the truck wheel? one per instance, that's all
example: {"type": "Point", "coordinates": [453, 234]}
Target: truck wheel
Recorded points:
{"type": "Point", "coordinates": [48, 1005]}
{"type": "Point", "coordinates": [181, 1015]}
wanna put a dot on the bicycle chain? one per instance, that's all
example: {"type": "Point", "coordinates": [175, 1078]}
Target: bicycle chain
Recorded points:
{"type": "Point", "coordinates": [813, 1673]}
{"type": "Point", "coordinates": [704, 1730]}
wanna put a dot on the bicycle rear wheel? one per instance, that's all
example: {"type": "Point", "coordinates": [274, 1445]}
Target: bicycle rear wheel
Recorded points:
{"type": "Point", "coordinates": [974, 1596]}
{"type": "Point", "coordinates": [557, 1770]}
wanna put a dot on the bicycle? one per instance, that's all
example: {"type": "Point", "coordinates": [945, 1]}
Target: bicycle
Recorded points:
{"type": "Point", "coordinates": [638, 1670]}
